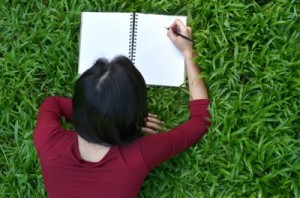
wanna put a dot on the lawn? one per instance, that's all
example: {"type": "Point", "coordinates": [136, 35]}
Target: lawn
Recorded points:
{"type": "Point", "coordinates": [249, 54]}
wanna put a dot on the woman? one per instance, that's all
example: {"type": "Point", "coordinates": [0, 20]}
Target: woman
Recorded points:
{"type": "Point", "coordinates": [107, 155]}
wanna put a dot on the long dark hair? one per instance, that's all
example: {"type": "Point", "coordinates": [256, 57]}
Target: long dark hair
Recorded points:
{"type": "Point", "coordinates": [110, 102]}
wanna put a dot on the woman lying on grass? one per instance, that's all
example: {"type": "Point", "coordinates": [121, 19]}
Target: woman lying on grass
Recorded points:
{"type": "Point", "coordinates": [107, 155]}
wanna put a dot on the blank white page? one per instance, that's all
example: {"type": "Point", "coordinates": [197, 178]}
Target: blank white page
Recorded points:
{"type": "Point", "coordinates": [102, 35]}
{"type": "Point", "coordinates": [156, 57]}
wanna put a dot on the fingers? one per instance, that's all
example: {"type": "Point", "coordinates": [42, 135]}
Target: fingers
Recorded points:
{"type": "Point", "coordinates": [148, 130]}
{"type": "Point", "coordinates": [171, 34]}
{"type": "Point", "coordinates": [152, 124]}
{"type": "Point", "coordinates": [151, 127]}
{"type": "Point", "coordinates": [152, 115]}
{"type": "Point", "coordinates": [153, 118]}
{"type": "Point", "coordinates": [177, 33]}
{"type": "Point", "coordinates": [177, 25]}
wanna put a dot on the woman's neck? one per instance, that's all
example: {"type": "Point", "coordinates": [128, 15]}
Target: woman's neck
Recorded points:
{"type": "Point", "coordinates": [91, 152]}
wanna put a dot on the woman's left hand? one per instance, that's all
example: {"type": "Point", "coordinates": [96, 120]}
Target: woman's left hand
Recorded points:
{"type": "Point", "coordinates": [153, 124]}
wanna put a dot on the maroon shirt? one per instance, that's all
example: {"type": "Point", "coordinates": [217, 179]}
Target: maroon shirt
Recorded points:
{"type": "Point", "coordinates": [123, 169]}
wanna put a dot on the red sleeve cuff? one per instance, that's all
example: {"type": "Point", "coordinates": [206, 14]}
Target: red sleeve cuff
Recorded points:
{"type": "Point", "coordinates": [199, 107]}
{"type": "Point", "coordinates": [199, 102]}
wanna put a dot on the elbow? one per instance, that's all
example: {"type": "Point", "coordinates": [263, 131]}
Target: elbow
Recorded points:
{"type": "Point", "coordinates": [207, 120]}
{"type": "Point", "coordinates": [205, 123]}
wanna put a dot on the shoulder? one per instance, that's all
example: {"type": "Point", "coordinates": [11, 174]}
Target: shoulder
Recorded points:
{"type": "Point", "coordinates": [59, 140]}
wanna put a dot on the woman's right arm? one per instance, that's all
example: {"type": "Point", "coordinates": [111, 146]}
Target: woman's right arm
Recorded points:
{"type": "Point", "coordinates": [196, 84]}
{"type": "Point", "coordinates": [160, 147]}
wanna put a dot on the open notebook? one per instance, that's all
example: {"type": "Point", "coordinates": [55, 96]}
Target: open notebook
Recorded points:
{"type": "Point", "coordinates": [141, 37]}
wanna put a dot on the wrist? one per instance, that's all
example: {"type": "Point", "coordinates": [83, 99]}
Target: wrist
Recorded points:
{"type": "Point", "coordinates": [188, 54]}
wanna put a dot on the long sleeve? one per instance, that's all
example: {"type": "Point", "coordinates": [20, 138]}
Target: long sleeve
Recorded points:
{"type": "Point", "coordinates": [160, 147]}
{"type": "Point", "coordinates": [49, 119]}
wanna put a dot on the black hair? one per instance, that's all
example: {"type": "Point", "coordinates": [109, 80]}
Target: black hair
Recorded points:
{"type": "Point", "coordinates": [110, 102]}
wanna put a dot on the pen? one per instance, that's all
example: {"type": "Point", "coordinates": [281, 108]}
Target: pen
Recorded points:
{"type": "Point", "coordinates": [177, 33]}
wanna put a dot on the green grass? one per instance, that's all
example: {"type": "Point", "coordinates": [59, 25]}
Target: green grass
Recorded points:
{"type": "Point", "coordinates": [250, 59]}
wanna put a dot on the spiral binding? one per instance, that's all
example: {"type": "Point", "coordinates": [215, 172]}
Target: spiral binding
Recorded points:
{"type": "Point", "coordinates": [133, 36]}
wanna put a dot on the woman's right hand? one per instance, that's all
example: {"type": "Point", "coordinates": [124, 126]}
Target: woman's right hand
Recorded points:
{"type": "Point", "coordinates": [182, 44]}
{"type": "Point", "coordinates": [196, 84]}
